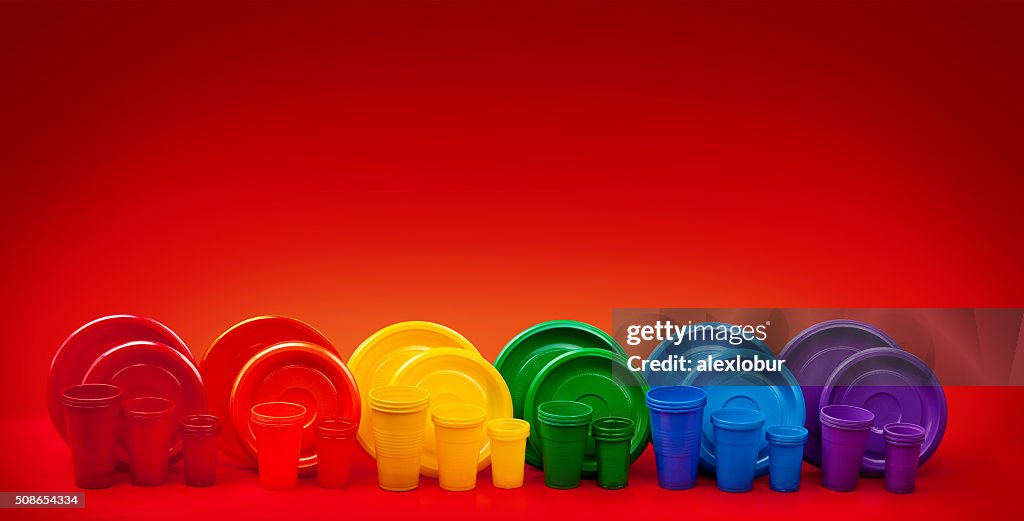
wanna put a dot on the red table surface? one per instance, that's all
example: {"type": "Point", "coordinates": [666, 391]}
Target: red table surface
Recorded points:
{"type": "Point", "coordinates": [973, 474]}
{"type": "Point", "coordinates": [491, 165]}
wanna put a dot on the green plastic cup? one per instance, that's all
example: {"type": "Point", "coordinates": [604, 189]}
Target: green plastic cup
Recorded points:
{"type": "Point", "coordinates": [564, 428]}
{"type": "Point", "coordinates": [612, 437]}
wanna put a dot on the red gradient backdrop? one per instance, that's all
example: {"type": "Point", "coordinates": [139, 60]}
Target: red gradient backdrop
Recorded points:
{"type": "Point", "coordinates": [492, 165]}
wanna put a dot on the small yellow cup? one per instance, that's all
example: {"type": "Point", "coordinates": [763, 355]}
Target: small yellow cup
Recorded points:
{"type": "Point", "coordinates": [508, 451]}
{"type": "Point", "coordinates": [398, 414]}
{"type": "Point", "coordinates": [459, 432]}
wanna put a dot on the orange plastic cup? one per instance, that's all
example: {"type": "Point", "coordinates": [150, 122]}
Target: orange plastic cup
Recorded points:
{"type": "Point", "coordinates": [459, 433]}
{"type": "Point", "coordinates": [277, 427]}
{"type": "Point", "coordinates": [508, 451]}
{"type": "Point", "coordinates": [399, 415]}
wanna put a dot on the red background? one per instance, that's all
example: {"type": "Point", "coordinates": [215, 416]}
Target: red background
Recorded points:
{"type": "Point", "coordinates": [492, 165]}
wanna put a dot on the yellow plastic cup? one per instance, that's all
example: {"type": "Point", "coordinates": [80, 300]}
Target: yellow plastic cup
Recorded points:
{"type": "Point", "coordinates": [508, 451]}
{"type": "Point", "coordinates": [459, 433]}
{"type": "Point", "coordinates": [399, 415]}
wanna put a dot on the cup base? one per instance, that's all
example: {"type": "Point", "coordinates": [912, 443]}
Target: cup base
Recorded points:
{"type": "Point", "coordinates": [836, 489]}
{"type": "Point", "coordinates": [147, 483]}
{"type": "Point", "coordinates": [899, 491]}
{"type": "Point", "coordinates": [199, 484]}
{"type": "Point", "coordinates": [562, 487]}
{"type": "Point", "coordinates": [399, 489]}
{"type": "Point", "coordinates": [786, 490]}
{"type": "Point", "coordinates": [614, 486]}
{"type": "Point", "coordinates": [736, 490]}
{"type": "Point", "coordinates": [508, 486]}
{"type": "Point", "coordinates": [687, 486]}
{"type": "Point", "coordinates": [458, 489]}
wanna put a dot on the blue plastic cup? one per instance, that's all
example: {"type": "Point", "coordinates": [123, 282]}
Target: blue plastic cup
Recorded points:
{"type": "Point", "coordinates": [785, 456]}
{"type": "Point", "coordinates": [677, 416]}
{"type": "Point", "coordinates": [738, 435]}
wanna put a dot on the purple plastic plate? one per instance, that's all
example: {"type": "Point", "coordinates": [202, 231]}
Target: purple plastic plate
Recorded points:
{"type": "Point", "coordinates": [815, 353]}
{"type": "Point", "coordinates": [896, 386]}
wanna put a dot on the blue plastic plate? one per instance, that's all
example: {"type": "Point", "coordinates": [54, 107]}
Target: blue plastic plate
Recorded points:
{"type": "Point", "coordinates": [774, 393]}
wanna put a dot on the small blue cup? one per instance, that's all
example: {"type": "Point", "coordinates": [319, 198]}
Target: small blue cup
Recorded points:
{"type": "Point", "coordinates": [785, 456]}
{"type": "Point", "coordinates": [738, 433]}
{"type": "Point", "coordinates": [677, 415]}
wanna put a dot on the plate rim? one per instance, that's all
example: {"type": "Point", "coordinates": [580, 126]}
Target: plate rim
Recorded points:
{"type": "Point", "coordinates": [644, 425]}
{"type": "Point", "coordinates": [439, 352]}
{"type": "Point", "coordinates": [229, 442]}
{"type": "Point", "coordinates": [357, 360]}
{"type": "Point", "coordinates": [53, 401]}
{"type": "Point", "coordinates": [175, 451]}
{"type": "Point", "coordinates": [706, 463]}
{"type": "Point", "coordinates": [306, 348]}
{"type": "Point", "coordinates": [870, 466]}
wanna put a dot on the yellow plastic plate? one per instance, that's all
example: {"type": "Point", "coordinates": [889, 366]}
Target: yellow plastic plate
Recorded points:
{"type": "Point", "coordinates": [377, 359]}
{"type": "Point", "coordinates": [456, 376]}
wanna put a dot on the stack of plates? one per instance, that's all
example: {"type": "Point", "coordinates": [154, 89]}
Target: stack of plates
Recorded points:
{"type": "Point", "coordinates": [852, 363]}
{"type": "Point", "coordinates": [139, 355]}
{"type": "Point", "coordinates": [776, 394]}
{"type": "Point", "coordinates": [438, 359]}
{"type": "Point", "coordinates": [569, 360]}
{"type": "Point", "coordinates": [275, 359]}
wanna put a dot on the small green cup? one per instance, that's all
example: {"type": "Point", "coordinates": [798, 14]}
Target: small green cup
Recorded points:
{"type": "Point", "coordinates": [612, 436]}
{"type": "Point", "coordinates": [563, 429]}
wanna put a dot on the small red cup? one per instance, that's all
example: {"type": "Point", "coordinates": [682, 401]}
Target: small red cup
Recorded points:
{"type": "Point", "coordinates": [149, 427]}
{"type": "Point", "coordinates": [277, 427]}
{"type": "Point", "coordinates": [199, 440]}
{"type": "Point", "coordinates": [335, 441]}
{"type": "Point", "coordinates": [91, 414]}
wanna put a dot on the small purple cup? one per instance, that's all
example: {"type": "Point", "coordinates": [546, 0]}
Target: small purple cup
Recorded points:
{"type": "Point", "coordinates": [902, 455]}
{"type": "Point", "coordinates": [844, 436]}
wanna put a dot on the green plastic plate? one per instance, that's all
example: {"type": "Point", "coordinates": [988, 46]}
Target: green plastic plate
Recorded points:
{"type": "Point", "coordinates": [600, 379]}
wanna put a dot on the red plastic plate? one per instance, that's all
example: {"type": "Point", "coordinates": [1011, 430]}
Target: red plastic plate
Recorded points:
{"type": "Point", "coordinates": [298, 372]}
{"type": "Point", "coordinates": [82, 347]}
{"type": "Point", "coordinates": [151, 369]}
{"type": "Point", "coordinates": [228, 355]}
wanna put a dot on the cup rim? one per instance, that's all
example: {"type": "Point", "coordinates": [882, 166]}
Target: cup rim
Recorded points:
{"type": "Point", "coordinates": [403, 398]}
{"type": "Point", "coordinates": [148, 407]}
{"type": "Point", "coordinates": [201, 424]}
{"type": "Point", "coordinates": [288, 413]}
{"type": "Point", "coordinates": [508, 429]}
{"type": "Point", "coordinates": [828, 416]}
{"type": "Point", "coordinates": [912, 433]}
{"type": "Point", "coordinates": [458, 415]}
{"type": "Point", "coordinates": [546, 413]}
{"type": "Point", "coordinates": [107, 395]}
{"type": "Point", "coordinates": [686, 398]}
{"type": "Point", "coordinates": [786, 434]}
{"type": "Point", "coordinates": [335, 428]}
{"type": "Point", "coordinates": [738, 418]}
{"type": "Point", "coordinates": [613, 428]}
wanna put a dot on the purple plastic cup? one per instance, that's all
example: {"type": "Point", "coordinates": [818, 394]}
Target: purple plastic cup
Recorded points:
{"type": "Point", "coordinates": [844, 437]}
{"type": "Point", "coordinates": [902, 456]}
{"type": "Point", "coordinates": [677, 417]}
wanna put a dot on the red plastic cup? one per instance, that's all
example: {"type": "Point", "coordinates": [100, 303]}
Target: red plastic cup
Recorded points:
{"type": "Point", "coordinates": [277, 427]}
{"type": "Point", "coordinates": [199, 439]}
{"type": "Point", "coordinates": [335, 442]}
{"type": "Point", "coordinates": [149, 427]}
{"type": "Point", "coordinates": [91, 412]}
